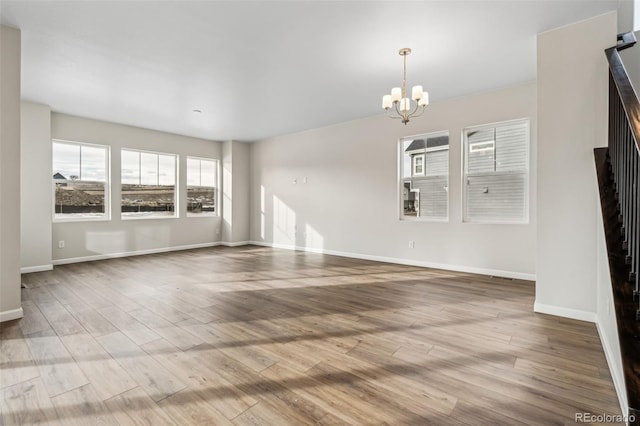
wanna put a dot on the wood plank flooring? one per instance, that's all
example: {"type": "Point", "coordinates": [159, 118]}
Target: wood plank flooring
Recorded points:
{"type": "Point", "coordinates": [258, 336]}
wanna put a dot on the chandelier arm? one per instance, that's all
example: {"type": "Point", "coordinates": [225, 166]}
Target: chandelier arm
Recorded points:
{"type": "Point", "coordinates": [390, 113]}
{"type": "Point", "coordinates": [399, 113]}
{"type": "Point", "coordinates": [404, 115]}
{"type": "Point", "coordinates": [419, 113]}
{"type": "Point", "coordinates": [415, 110]}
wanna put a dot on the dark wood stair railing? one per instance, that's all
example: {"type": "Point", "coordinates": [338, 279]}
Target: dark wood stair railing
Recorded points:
{"type": "Point", "coordinates": [618, 169]}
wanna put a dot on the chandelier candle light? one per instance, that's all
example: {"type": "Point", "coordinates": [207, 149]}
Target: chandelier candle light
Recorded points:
{"type": "Point", "coordinates": [398, 98]}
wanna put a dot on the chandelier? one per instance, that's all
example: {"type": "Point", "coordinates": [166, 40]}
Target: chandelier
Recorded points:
{"type": "Point", "coordinates": [398, 104]}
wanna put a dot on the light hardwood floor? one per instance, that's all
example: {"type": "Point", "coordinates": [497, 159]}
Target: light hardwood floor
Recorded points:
{"type": "Point", "coordinates": [253, 335]}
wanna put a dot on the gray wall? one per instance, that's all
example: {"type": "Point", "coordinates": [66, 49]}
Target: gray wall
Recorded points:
{"type": "Point", "coordinates": [350, 201]}
{"type": "Point", "coordinates": [98, 239]}
{"type": "Point", "coordinates": [10, 306]}
{"type": "Point", "coordinates": [36, 188]}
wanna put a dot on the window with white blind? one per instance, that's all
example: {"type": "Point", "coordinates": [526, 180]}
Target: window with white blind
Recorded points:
{"type": "Point", "coordinates": [201, 187]}
{"type": "Point", "coordinates": [496, 173]}
{"type": "Point", "coordinates": [424, 177]}
{"type": "Point", "coordinates": [148, 184]}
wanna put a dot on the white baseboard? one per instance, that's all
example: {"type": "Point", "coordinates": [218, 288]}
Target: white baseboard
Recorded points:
{"type": "Point", "coordinates": [234, 244]}
{"type": "Point", "coordinates": [559, 311]}
{"type": "Point", "coordinates": [616, 374]}
{"type": "Point", "coordinates": [39, 268]}
{"type": "Point", "coordinates": [410, 262]}
{"type": "Point", "coordinates": [132, 253]}
{"type": "Point", "coordinates": [11, 315]}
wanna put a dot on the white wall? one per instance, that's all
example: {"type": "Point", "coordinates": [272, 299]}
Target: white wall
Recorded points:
{"type": "Point", "coordinates": [350, 201]}
{"type": "Point", "coordinates": [227, 190]}
{"type": "Point", "coordinates": [98, 239]}
{"type": "Point", "coordinates": [10, 306]}
{"type": "Point", "coordinates": [572, 120]}
{"type": "Point", "coordinates": [241, 203]}
{"type": "Point", "coordinates": [36, 194]}
{"type": "Point", "coordinates": [235, 192]}
{"type": "Point", "coordinates": [631, 60]}
{"type": "Point", "coordinates": [627, 10]}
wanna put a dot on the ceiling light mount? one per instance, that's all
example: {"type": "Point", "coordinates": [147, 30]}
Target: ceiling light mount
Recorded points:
{"type": "Point", "coordinates": [398, 103]}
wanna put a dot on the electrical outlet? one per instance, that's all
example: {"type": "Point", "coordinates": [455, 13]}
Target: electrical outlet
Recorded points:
{"type": "Point", "coordinates": [61, 244]}
{"type": "Point", "coordinates": [304, 180]}
{"type": "Point", "coordinates": [412, 244]}
{"type": "Point", "coordinates": [217, 231]}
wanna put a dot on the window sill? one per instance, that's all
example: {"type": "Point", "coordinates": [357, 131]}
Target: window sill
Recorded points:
{"type": "Point", "coordinates": [147, 217]}
{"type": "Point", "coordinates": [420, 219]}
{"type": "Point", "coordinates": [81, 219]}
{"type": "Point", "coordinates": [495, 222]}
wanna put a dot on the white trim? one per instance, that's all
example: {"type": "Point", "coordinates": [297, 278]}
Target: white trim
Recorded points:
{"type": "Point", "coordinates": [133, 253]}
{"type": "Point", "coordinates": [410, 262]}
{"type": "Point", "coordinates": [234, 243]}
{"type": "Point", "coordinates": [560, 311]}
{"type": "Point", "coordinates": [616, 375]}
{"type": "Point", "coordinates": [37, 268]}
{"type": "Point", "coordinates": [11, 315]}
{"type": "Point", "coordinates": [141, 217]}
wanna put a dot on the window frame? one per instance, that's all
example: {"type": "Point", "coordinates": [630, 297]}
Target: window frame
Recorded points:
{"type": "Point", "coordinates": [107, 184]}
{"type": "Point", "coordinates": [216, 187]}
{"type": "Point", "coordinates": [402, 179]}
{"type": "Point", "coordinates": [526, 122]}
{"type": "Point", "coordinates": [414, 164]}
{"type": "Point", "coordinates": [176, 174]}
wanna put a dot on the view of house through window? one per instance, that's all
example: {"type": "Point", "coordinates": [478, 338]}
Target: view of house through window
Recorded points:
{"type": "Point", "coordinates": [424, 163]}
{"type": "Point", "coordinates": [201, 186]}
{"type": "Point", "coordinates": [148, 184]}
{"type": "Point", "coordinates": [496, 172]}
{"type": "Point", "coordinates": [80, 177]}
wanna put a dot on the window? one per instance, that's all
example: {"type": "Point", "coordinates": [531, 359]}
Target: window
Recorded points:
{"type": "Point", "coordinates": [81, 181]}
{"type": "Point", "coordinates": [148, 184]}
{"type": "Point", "coordinates": [201, 187]}
{"type": "Point", "coordinates": [496, 172]}
{"type": "Point", "coordinates": [418, 164]}
{"type": "Point", "coordinates": [424, 164]}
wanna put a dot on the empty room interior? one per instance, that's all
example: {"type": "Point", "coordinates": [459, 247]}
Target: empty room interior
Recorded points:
{"type": "Point", "coordinates": [319, 212]}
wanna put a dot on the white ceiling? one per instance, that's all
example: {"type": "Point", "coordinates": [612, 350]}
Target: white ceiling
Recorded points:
{"type": "Point", "coordinates": [265, 68]}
